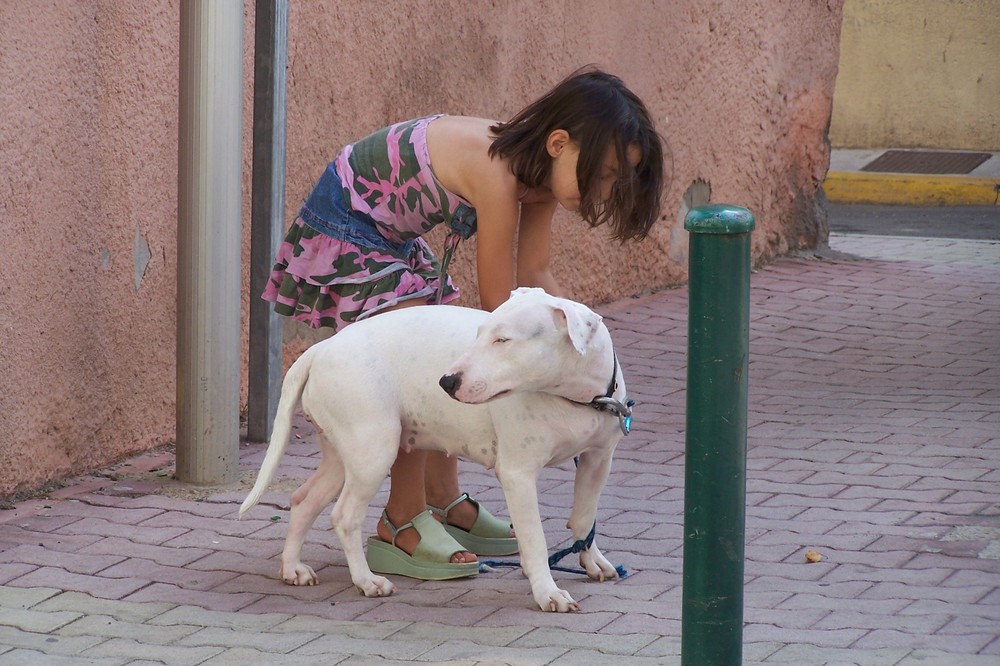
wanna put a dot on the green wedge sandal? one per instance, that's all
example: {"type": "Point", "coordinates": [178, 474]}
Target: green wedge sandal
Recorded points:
{"type": "Point", "coordinates": [489, 536]}
{"type": "Point", "coordinates": [430, 560]}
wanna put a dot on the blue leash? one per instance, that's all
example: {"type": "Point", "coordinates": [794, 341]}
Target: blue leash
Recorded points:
{"type": "Point", "coordinates": [555, 558]}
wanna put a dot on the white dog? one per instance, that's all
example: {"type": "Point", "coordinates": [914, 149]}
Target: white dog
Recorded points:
{"type": "Point", "coordinates": [540, 384]}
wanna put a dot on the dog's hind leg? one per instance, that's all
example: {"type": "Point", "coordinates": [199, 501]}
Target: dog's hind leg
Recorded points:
{"type": "Point", "coordinates": [365, 475]}
{"type": "Point", "coordinates": [307, 502]}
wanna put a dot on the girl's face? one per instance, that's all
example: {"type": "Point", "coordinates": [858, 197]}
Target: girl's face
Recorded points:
{"type": "Point", "coordinates": [609, 169]}
{"type": "Point", "coordinates": [563, 180]}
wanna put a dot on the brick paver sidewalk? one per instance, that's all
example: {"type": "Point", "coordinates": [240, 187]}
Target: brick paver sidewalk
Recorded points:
{"type": "Point", "coordinates": [874, 439]}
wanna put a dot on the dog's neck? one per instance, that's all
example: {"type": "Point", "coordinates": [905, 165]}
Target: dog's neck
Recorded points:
{"type": "Point", "coordinates": [594, 372]}
{"type": "Point", "coordinates": [614, 401]}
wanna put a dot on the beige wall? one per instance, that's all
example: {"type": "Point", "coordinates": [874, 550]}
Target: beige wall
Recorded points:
{"type": "Point", "coordinates": [88, 156]}
{"type": "Point", "coordinates": [919, 74]}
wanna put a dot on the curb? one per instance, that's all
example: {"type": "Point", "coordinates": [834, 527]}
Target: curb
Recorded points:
{"type": "Point", "coordinates": [910, 190]}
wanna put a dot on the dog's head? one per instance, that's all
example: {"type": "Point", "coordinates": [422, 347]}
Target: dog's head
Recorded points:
{"type": "Point", "coordinates": [534, 342]}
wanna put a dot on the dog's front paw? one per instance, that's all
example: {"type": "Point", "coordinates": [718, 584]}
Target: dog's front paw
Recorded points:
{"type": "Point", "coordinates": [558, 601]}
{"type": "Point", "coordinates": [376, 586]}
{"type": "Point", "coordinates": [298, 574]}
{"type": "Point", "coordinates": [596, 565]}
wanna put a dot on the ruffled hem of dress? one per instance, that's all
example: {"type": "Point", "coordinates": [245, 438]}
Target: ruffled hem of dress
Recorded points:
{"type": "Point", "coordinates": [326, 282]}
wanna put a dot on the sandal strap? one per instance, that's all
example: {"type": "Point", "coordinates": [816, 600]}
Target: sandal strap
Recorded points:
{"type": "Point", "coordinates": [443, 513]}
{"type": "Point", "coordinates": [393, 530]}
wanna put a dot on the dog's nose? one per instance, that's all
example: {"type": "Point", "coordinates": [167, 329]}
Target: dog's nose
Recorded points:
{"type": "Point", "coordinates": [450, 383]}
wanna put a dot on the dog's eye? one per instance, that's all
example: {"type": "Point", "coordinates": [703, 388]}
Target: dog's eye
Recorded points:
{"type": "Point", "coordinates": [501, 340]}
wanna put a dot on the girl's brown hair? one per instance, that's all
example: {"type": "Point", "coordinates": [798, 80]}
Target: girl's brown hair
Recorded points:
{"type": "Point", "coordinates": [597, 111]}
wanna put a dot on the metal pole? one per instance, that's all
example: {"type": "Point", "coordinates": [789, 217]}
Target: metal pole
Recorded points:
{"type": "Point", "coordinates": [716, 427]}
{"type": "Point", "coordinates": [267, 211]}
{"type": "Point", "coordinates": [210, 165]}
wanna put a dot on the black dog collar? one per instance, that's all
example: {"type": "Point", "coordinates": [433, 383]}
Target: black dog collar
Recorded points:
{"type": "Point", "coordinates": [607, 402]}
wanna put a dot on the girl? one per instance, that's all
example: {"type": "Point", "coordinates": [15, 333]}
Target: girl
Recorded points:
{"type": "Point", "coordinates": [356, 249]}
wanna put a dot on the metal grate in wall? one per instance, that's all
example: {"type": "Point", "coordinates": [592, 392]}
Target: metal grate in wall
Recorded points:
{"type": "Point", "coordinates": [926, 161]}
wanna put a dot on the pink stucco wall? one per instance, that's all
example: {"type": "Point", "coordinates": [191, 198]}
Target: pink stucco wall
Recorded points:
{"type": "Point", "coordinates": [88, 155]}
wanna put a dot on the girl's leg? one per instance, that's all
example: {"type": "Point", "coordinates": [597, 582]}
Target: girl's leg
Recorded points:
{"type": "Point", "coordinates": [441, 480]}
{"type": "Point", "coordinates": [407, 499]}
{"type": "Point", "coordinates": [441, 487]}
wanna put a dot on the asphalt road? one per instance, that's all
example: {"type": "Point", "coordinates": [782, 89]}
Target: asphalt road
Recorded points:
{"type": "Point", "coordinates": [965, 222]}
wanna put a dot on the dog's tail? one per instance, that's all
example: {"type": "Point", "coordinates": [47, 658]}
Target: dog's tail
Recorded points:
{"type": "Point", "coordinates": [291, 391]}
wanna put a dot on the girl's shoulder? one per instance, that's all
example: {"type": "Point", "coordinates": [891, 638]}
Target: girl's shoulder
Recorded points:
{"type": "Point", "coordinates": [465, 129]}
{"type": "Point", "coordinates": [458, 148]}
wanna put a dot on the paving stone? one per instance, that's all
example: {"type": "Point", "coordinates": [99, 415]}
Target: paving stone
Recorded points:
{"type": "Point", "coordinates": [101, 527]}
{"type": "Point", "coordinates": [36, 621]}
{"type": "Point", "coordinates": [439, 633]}
{"type": "Point", "coordinates": [12, 571]}
{"type": "Point", "coordinates": [961, 644]}
{"type": "Point", "coordinates": [923, 657]}
{"type": "Point", "coordinates": [810, 654]}
{"type": "Point", "coordinates": [406, 612]}
{"type": "Point", "coordinates": [250, 657]}
{"type": "Point", "coordinates": [27, 533]}
{"type": "Point", "coordinates": [120, 610]}
{"type": "Point", "coordinates": [389, 649]}
{"type": "Point", "coordinates": [176, 557]}
{"type": "Point", "coordinates": [56, 645]}
{"type": "Point", "coordinates": [221, 526]}
{"type": "Point", "coordinates": [826, 638]}
{"type": "Point", "coordinates": [118, 516]}
{"type": "Point", "coordinates": [575, 657]}
{"type": "Point", "coordinates": [869, 574]}
{"type": "Point", "coordinates": [201, 617]}
{"type": "Point", "coordinates": [618, 644]}
{"type": "Point", "coordinates": [201, 538]}
{"type": "Point", "coordinates": [874, 606]}
{"type": "Point", "coordinates": [75, 562]}
{"type": "Point", "coordinates": [15, 597]}
{"type": "Point", "coordinates": [164, 593]}
{"type": "Point", "coordinates": [186, 578]}
{"type": "Point", "coordinates": [458, 650]}
{"type": "Point", "coordinates": [666, 647]}
{"type": "Point", "coordinates": [172, 654]}
{"type": "Point", "coordinates": [105, 588]}
{"type": "Point", "coordinates": [964, 595]}
{"type": "Point", "coordinates": [36, 658]}
{"type": "Point", "coordinates": [362, 630]}
{"type": "Point", "coordinates": [332, 610]}
{"type": "Point", "coordinates": [109, 627]}
{"type": "Point", "coordinates": [264, 641]}
{"type": "Point", "coordinates": [165, 503]}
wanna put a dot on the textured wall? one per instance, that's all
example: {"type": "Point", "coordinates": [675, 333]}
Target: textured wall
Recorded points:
{"type": "Point", "coordinates": [88, 127]}
{"type": "Point", "coordinates": [920, 74]}
{"type": "Point", "coordinates": [88, 101]}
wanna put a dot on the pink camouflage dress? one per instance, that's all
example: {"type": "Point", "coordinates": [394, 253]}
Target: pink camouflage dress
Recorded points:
{"type": "Point", "coordinates": [356, 247]}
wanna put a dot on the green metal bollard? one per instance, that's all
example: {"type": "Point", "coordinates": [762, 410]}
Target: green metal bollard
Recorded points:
{"type": "Point", "coordinates": [716, 435]}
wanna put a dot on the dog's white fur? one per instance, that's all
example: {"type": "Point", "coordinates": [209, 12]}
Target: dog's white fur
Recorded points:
{"type": "Point", "coordinates": [374, 388]}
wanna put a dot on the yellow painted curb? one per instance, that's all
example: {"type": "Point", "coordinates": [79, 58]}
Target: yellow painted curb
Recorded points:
{"type": "Point", "coordinates": [912, 190]}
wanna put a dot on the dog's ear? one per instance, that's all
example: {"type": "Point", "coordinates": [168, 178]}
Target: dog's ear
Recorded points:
{"type": "Point", "coordinates": [581, 324]}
